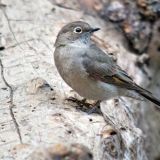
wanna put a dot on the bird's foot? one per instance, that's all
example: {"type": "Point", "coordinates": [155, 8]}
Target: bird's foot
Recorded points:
{"type": "Point", "coordinates": [95, 108]}
{"type": "Point", "coordinates": [86, 107]}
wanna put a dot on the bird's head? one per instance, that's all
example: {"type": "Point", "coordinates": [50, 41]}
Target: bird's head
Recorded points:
{"type": "Point", "coordinates": [77, 31]}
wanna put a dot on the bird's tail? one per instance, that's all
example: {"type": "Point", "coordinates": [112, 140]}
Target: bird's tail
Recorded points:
{"type": "Point", "coordinates": [148, 95]}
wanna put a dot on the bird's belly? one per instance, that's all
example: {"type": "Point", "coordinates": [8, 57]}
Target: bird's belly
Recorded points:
{"type": "Point", "coordinates": [87, 87]}
{"type": "Point", "coordinates": [94, 90]}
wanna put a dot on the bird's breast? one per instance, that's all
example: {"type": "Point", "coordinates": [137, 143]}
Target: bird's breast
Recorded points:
{"type": "Point", "coordinates": [69, 64]}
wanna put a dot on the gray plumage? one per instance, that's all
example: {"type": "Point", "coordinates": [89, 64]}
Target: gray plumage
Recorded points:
{"type": "Point", "coordinates": [88, 70]}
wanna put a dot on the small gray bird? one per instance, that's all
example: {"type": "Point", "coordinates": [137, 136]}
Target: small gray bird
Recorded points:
{"type": "Point", "coordinates": [88, 70]}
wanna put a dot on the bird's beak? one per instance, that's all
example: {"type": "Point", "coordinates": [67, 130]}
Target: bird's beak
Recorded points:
{"type": "Point", "coordinates": [94, 30]}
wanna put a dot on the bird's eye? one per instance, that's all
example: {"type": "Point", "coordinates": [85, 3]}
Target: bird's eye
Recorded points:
{"type": "Point", "coordinates": [78, 30]}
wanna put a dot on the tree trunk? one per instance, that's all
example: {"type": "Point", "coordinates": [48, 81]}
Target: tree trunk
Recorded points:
{"type": "Point", "coordinates": [34, 112]}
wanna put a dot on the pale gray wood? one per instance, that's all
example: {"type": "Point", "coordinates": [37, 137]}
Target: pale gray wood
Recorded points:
{"type": "Point", "coordinates": [33, 110]}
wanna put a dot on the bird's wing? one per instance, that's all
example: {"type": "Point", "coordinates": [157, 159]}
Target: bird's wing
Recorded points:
{"type": "Point", "coordinates": [100, 66]}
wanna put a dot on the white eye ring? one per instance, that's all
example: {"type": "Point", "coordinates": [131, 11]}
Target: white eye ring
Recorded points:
{"type": "Point", "coordinates": [77, 30]}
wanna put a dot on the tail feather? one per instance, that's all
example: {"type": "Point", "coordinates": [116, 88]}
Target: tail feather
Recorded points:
{"type": "Point", "coordinates": [150, 97]}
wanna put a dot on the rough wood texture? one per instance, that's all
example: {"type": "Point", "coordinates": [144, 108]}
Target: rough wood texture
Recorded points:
{"type": "Point", "coordinates": [33, 109]}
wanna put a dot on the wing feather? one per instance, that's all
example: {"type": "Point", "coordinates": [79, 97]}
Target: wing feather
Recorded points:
{"type": "Point", "coordinates": [101, 67]}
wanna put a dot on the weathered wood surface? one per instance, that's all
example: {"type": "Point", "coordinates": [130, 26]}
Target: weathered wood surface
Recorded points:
{"type": "Point", "coordinates": [33, 109]}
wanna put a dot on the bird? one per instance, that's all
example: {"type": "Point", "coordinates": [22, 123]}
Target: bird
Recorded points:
{"type": "Point", "coordinates": [89, 71]}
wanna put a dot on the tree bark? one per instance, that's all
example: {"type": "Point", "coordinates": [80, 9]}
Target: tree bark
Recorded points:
{"type": "Point", "coordinates": [33, 108]}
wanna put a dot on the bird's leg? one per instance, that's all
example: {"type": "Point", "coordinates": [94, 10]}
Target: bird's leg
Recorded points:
{"type": "Point", "coordinates": [95, 108]}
